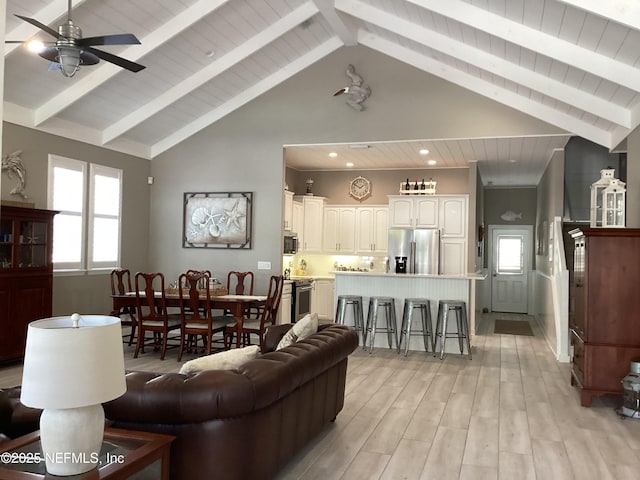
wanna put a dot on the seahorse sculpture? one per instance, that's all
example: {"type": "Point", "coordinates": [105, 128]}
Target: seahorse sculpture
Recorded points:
{"type": "Point", "coordinates": [356, 92]}
{"type": "Point", "coordinates": [13, 165]}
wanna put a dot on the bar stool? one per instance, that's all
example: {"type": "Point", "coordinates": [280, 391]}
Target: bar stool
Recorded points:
{"type": "Point", "coordinates": [424, 306]}
{"type": "Point", "coordinates": [376, 304]}
{"type": "Point", "coordinates": [459, 308]}
{"type": "Point", "coordinates": [355, 301]}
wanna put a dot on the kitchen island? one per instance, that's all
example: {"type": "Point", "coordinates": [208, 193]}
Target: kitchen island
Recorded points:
{"type": "Point", "coordinates": [401, 286]}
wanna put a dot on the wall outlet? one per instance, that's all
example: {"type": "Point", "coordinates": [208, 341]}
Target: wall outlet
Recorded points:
{"type": "Point", "coordinates": [264, 265]}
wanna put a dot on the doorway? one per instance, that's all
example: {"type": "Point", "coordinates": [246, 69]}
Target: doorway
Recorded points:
{"type": "Point", "coordinates": [510, 267]}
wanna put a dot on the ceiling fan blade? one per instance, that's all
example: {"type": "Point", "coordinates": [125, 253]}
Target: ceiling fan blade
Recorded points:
{"type": "Point", "coordinates": [41, 26]}
{"type": "Point", "coordinates": [121, 62]}
{"type": "Point", "coordinates": [14, 41]}
{"type": "Point", "coordinates": [118, 39]}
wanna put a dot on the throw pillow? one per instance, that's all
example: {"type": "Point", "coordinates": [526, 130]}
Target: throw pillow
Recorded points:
{"type": "Point", "coordinates": [306, 326]}
{"type": "Point", "coordinates": [221, 361]}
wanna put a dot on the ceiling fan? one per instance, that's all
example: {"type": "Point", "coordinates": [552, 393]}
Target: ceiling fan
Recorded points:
{"type": "Point", "coordinates": [70, 50]}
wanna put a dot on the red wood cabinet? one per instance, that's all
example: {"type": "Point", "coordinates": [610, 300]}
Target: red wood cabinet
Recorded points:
{"type": "Point", "coordinates": [26, 274]}
{"type": "Point", "coordinates": [604, 308]}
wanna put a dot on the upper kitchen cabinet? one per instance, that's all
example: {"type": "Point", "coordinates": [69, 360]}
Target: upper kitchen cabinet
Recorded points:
{"type": "Point", "coordinates": [288, 211]}
{"type": "Point", "coordinates": [339, 230]}
{"type": "Point", "coordinates": [312, 227]}
{"type": "Point", "coordinates": [298, 220]}
{"type": "Point", "coordinates": [413, 211]}
{"type": "Point", "coordinates": [372, 225]}
{"type": "Point", "coordinates": [453, 216]}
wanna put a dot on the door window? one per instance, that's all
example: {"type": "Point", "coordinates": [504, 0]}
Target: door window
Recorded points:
{"type": "Point", "coordinates": [510, 259]}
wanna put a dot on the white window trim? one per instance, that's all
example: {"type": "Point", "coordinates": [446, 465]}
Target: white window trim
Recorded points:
{"type": "Point", "coordinates": [86, 264]}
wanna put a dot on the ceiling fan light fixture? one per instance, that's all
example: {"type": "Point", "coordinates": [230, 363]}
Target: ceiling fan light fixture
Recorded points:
{"type": "Point", "coordinates": [69, 60]}
{"type": "Point", "coordinates": [35, 46]}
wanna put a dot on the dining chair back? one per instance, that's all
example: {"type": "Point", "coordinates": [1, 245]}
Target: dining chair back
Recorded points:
{"type": "Point", "coordinates": [120, 279]}
{"type": "Point", "coordinates": [153, 315]}
{"type": "Point", "coordinates": [240, 283]}
{"type": "Point", "coordinates": [195, 312]}
{"type": "Point", "coordinates": [268, 314]}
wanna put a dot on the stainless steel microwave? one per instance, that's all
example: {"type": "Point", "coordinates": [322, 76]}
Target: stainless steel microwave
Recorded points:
{"type": "Point", "coordinates": [290, 244]}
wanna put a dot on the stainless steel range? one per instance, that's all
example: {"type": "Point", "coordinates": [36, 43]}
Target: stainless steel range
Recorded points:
{"type": "Point", "coordinates": [301, 292]}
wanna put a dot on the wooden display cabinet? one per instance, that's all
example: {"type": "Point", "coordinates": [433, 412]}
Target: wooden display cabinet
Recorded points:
{"type": "Point", "coordinates": [604, 308]}
{"type": "Point", "coordinates": [26, 274]}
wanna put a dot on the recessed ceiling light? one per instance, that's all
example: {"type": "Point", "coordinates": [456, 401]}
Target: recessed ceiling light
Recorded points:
{"type": "Point", "coordinates": [424, 151]}
{"type": "Point", "coordinates": [333, 154]}
{"type": "Point", "coordinates": [210, 53]}
{"type": "Point", "coordinates": [349, 164]}
{"type": "Point", "coordinates": [432, 162]}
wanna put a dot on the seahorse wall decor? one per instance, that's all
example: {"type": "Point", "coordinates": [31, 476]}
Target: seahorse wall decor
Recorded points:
{"type": "Point", "coordinates": [12, 164]}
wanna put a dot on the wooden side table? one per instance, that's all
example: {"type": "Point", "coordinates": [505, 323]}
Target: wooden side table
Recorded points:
{"type": "Point", "coordinates": [124, 453]}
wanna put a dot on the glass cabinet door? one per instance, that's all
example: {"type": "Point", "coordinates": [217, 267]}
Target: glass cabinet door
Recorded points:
{"type": "Point", "coordinates": [6, 243]}
{"type": "Point", "coordinates": [33, 244]}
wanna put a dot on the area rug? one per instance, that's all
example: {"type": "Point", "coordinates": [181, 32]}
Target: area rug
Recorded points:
{"type": "Point", "coordinates": [513, 327]}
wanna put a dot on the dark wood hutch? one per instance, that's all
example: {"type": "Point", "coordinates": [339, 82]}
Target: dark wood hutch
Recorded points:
{"type": "Point", "coordinates": [26, 274]}
{"type": "Point", "coordinates": [604, 308]}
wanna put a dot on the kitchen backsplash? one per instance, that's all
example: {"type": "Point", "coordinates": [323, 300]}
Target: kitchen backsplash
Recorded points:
{"type": "Point", "coordinates": [319, 265]}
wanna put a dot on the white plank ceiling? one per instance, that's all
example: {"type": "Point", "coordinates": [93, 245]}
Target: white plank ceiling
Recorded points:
{"type": "Point", "coordinates": [572, 63]}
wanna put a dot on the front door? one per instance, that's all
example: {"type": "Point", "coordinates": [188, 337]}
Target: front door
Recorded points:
{"type": "Point", "coordinates": [510, 266]}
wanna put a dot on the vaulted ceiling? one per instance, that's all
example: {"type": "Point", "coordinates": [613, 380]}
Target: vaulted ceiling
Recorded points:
{"type": "Point", "coordinates": [571, 63]}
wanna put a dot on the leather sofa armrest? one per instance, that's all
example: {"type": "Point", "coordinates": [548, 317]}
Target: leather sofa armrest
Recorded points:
{"type": "Point", "coordinates": [16, 419]}
{"type": "Point", "coordinates": [273, 335]}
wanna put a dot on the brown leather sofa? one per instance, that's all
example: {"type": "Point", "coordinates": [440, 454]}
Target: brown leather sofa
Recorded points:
{"type": "Point", "coordinates": [243, 424]}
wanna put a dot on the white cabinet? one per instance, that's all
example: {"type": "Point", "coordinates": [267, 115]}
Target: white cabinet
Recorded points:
{"type": "Point", "coordinates": [413, 211]}
{"type": "Point", "coordinates": [288, 211]}
{"type": "Point", "coordinates": [298, 219]}
{"type": "Point", "coordinates": [453, 216]}
{"type": "Point", "coordinates": [339, 230]}
{"type": "Point", "coordinates": [453, 256]}
{"type": "Point", "coordinates": [312, 226]}
{"type": "Point", "coordinates": [372, 225]}
{"type": "Point", "coordinates": [285, 304]}
{"type": "Point", "coordinates": [322, 298]}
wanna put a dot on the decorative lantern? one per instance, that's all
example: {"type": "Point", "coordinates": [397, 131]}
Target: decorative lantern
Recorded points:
{"type": "Point", "coordinates": [631, 391]}
{"type": "Point", "coordinates": [608, 201]}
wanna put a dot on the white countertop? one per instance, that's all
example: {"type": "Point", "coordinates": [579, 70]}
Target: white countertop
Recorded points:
{"type": "Point", "coordinates": [461, 276]}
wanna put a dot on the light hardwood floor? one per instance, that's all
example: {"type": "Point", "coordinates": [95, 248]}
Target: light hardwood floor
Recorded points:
{"type": "Point", "coordinates": [510, 413]}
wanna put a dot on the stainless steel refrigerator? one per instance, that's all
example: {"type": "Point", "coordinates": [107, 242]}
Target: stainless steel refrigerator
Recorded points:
{"type": "Point", "coordinates": [419, 247]}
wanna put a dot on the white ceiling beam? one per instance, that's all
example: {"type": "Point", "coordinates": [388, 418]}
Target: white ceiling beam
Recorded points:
{"type": "Point", "coordinates": [105, 71]}
{"type": "Point", "coordinates": [249, 94]}
{"type": "Point", "coordinates": [488, 62]}
{"type": "Point", "coordinates": [47, 15]}
{"type": "Point", "coordinates": [19, 115]}
{"type": "Point", "coordinates": [342, 27]}
{"type": "Point", "coordinates": [624, 12]}
{"type": "Point", "coordinates": [257, 42]}
{"type": "Point", "coordinates": [536, 41]}
{"type": "Point", "coordinates": [487, 89]}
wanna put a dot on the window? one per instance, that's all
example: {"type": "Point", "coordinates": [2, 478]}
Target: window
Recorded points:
{"type": "Point", "coordinates": [510, 254]}
{"type": "Point", "coordinates": [86, 232]}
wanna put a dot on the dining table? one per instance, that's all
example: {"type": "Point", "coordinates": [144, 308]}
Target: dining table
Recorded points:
{"type": "Point", "coordinates": [236, 304]}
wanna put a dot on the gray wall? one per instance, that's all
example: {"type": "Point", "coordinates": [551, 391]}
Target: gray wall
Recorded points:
{"type": "Point", "coordinates": [517, 200]}
{"type": "Point", "coordinates": [335, 184]}
{"type": "Point", "coordinates": [549, 205]}
{"type": "Point", "coordinates": [79, 292]}
{"type": "Point", "coordinates": [243, 151]}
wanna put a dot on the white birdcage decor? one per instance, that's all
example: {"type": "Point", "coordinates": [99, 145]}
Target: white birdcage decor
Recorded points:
{"type": "Point", "coordinates": [608, 197]}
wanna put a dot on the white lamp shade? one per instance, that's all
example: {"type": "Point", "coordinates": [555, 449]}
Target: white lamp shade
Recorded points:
{"type": "Point", "coordinates": [66, 367]}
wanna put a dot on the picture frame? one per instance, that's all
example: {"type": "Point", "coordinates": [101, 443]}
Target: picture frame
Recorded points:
{"type": "Point", "coordinates": [217, 220]}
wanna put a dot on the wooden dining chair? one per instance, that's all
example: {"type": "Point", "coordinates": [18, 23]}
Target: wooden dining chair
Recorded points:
{"type": "Point", "coordinates": [153, 316]}
{"type": "Point", "coordinates": [195, 312]}
{"type": "Point", "coordinates": [240, 283]}
{"type": "Point", "coordinates": [120, 285]}
{"type": "Point", "coordinates": [268, 315]}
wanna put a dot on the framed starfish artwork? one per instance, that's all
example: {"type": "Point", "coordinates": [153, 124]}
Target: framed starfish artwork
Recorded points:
{"type": "Point", "coordinates": [217, 220]}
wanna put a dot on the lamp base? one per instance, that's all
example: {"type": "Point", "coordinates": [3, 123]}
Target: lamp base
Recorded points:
{"type": "Point", "coordinates": [71, 439]}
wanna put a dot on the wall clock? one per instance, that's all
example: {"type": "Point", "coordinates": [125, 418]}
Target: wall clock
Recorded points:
{"type": "Point", "coordinates": [360, 188]}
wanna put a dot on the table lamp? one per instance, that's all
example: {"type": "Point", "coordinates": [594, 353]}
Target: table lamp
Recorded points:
{"type": "Point", "coordinates": [72, 365]}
